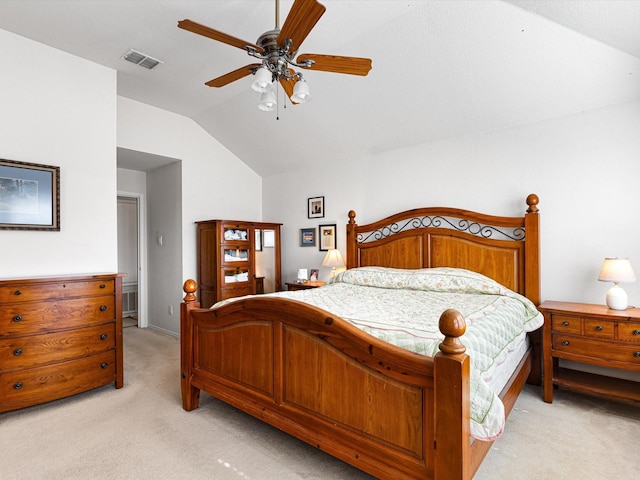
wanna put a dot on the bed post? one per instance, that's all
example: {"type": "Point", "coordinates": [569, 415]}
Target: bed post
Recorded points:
{"type": "Point", "coordinates": [532, 286]}
{"type": "Point", "coordinates": [451, 401]}
{"type": "Point", "coordinates": [352, 251]}
{"type": "Point", "coordinates": [190, 395]}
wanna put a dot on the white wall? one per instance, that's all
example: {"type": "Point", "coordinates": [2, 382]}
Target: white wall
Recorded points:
{"type": "Point", "coordinates": [214, 184]}
{"type": "Point", "coordinates": [58, 109]}
{"type": "Point", "coordinates": [585, 169]}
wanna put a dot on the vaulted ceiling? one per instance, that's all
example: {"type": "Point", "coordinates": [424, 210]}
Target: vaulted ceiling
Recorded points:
{"type": "Point", "coordinates": [441, 69]}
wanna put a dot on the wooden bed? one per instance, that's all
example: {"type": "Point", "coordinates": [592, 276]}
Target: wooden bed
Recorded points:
{"type": "Point", "coordinates": [385, 410]}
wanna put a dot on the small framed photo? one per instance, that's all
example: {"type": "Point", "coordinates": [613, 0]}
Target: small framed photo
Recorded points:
{"type": "Point", "coordinates": [307, 237]}
{"type": "Point", "coordinates": [313, 276]}
{"type": "Point", "coordinates": [327, 234]}
{"type": "Point", "coordinates": [29, 196]}
{"type": "Point", "coordinates": [315, 207]}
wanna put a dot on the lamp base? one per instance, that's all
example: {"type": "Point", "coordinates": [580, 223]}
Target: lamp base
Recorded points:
{"type": "Point", "coordinates": [617, 298]}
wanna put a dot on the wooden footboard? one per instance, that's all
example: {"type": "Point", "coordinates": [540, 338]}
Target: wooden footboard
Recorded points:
{"type": "Point", "coordinates": [387, 411]}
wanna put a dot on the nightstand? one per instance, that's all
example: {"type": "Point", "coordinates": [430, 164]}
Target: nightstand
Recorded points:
{"type": "Point", "coordinates": [291, 286]}
{"type": "Point", "coordinates": [595, 335]}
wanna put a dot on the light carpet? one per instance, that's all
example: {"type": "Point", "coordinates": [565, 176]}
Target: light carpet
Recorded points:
{"type": "Point", "coordinates": [141, 432]}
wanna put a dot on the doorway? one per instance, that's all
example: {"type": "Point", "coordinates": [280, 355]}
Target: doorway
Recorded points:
{"type": "Point", "coordinates": [130, 254]}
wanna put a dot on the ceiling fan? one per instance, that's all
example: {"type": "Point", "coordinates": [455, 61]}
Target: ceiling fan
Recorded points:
{"type": "Point", "coordinates": [276, 50]}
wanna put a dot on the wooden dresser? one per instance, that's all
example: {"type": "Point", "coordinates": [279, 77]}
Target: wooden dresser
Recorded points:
{"type": "Point", "coordinates": [595, 335]}
{"type": "Point", "coordinates": [59, 336]}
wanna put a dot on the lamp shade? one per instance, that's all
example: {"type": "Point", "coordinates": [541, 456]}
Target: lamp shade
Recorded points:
{"type": "Point", "coordinates": [333, 258]}
{"type": "Point", "coordinates": [268, 100]}
{"type": "Point", "coordinates": [617, 270]}
{"type": "Point", "coordinates": [262, 80]}
{"type": "Point", "coordinates": [301, 92]}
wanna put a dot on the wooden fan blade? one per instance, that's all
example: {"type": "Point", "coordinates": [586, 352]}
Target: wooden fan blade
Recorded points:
{"type": "Point", "coordinates": [194, 27]}
{"type": "Point", "coordinates": [336, 64]}
{"type": "Point", "coordinates": [302, 18]}
{"type": "Point", "coordinates": [232, 76]}
{"type": "Point", "coordinates": [287, 86]}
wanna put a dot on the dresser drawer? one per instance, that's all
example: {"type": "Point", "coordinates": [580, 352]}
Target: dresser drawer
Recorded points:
{"type": "Point", "coordinates": [594, 327]}
{"type": "Point", "coordinates": [33, 350]}
{"type": "Point", "coordinates": [35, 385]}
{"type": "Point", "coordinates": [566, 324]}
{"type": "Point", "coordinates": [36, 317]}
{"type": "Point", "coordinates": [237, 291]}
{"type": "Point", "coordinates": [629, 332]}
{"type": "Point", "coordinates": [29, 292]}
{"type": "Point", "coordinates": [607, 351]}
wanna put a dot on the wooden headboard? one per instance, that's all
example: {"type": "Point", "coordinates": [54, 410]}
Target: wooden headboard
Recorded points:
{"type": "Point", "coordinates": [503, 248]}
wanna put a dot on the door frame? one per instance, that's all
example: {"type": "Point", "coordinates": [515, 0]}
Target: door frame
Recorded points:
{"type": "Point", "coordinates": [143, 294]}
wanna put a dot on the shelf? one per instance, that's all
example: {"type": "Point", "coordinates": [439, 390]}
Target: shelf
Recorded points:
{"type": "Point", "coordinates": [609, 387]}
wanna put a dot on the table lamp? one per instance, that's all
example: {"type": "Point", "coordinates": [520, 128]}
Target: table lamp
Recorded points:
{"type": "Point", "coordinates": [333, 259]}
{"type": "Point", "coordinates": [617, 270]}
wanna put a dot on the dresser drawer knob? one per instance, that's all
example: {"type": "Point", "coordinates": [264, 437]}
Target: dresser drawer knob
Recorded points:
{"type": "Point", "coordinates": [599, 328]}
{"type": "Point", "coordinates": [565, 324]}
{"type": "Point", "coordinates": [565, 343]}
{"type": "Point", "coordinates": [17, 352]}
{"type": "Point", "coordinates": [104, 365]}
{"type": "Point", "coordinates": [17, 385]}
{"type": "Point", "coordinates": [636, 332]}
{"type": "Point", "coordinates": [103, 308]}
{"type": "Point", "coordinates": [637, 354]}
{"type": "Point", "coordinates": [17, 292]}
{"type": "Point", "coordinates": [102, 285]}
{"type": "Point", "coordinates": [18, 318]}
{"type": "Point", "coordinates": [104, 336]}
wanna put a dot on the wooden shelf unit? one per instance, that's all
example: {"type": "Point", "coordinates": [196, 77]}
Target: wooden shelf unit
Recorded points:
{"type": "Point", "coordinates": [229, 253]}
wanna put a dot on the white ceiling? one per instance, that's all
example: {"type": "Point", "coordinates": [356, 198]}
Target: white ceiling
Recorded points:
{"type": "Point", "coordinates": [441, 69]}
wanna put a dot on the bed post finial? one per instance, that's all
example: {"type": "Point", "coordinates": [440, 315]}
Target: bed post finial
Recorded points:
{"type": "Point", "coordinates": [189, 287]}
{"type": "Point", "coordinates": [532, 201]}
{"type": "Point", "coordinates": [453, 326]}
{"type": "Point", "coordinates": [352, 216]}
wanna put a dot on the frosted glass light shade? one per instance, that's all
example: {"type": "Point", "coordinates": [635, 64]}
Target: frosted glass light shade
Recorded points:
{"type": "Point", "coordinates": [262, 80]}
{"type": "Point", "coordinates": [301, 92]}
{"type": "Point", "coordinates": [617, 270]}
{"type": "Point", "coordinates": [268, 100]}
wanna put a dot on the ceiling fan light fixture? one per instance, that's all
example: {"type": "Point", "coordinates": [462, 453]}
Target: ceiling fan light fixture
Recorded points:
{"type": "Point", "coordinates": [262, 80]}
{"type": "Point", "coordinates": [301, 92]}
{"type": "Point", "coordinates": [268, 99]}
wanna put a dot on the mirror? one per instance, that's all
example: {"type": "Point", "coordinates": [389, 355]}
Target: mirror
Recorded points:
{"type": "Point", "coordinates": [265, 263]}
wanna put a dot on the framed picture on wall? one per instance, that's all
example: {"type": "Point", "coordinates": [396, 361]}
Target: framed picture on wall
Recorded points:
{"type": "Point", "coordinates": [29, 196]}
{"type": "Point", "coordinates": [327, 237]}
{"type": "Point", "coordinates": [307, 237]}
{"type": "Point", "coordinates": [315, 207]}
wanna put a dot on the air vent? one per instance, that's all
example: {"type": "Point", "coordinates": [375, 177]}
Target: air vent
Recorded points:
{"type": "Point", "coordinates": [141, 59]}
